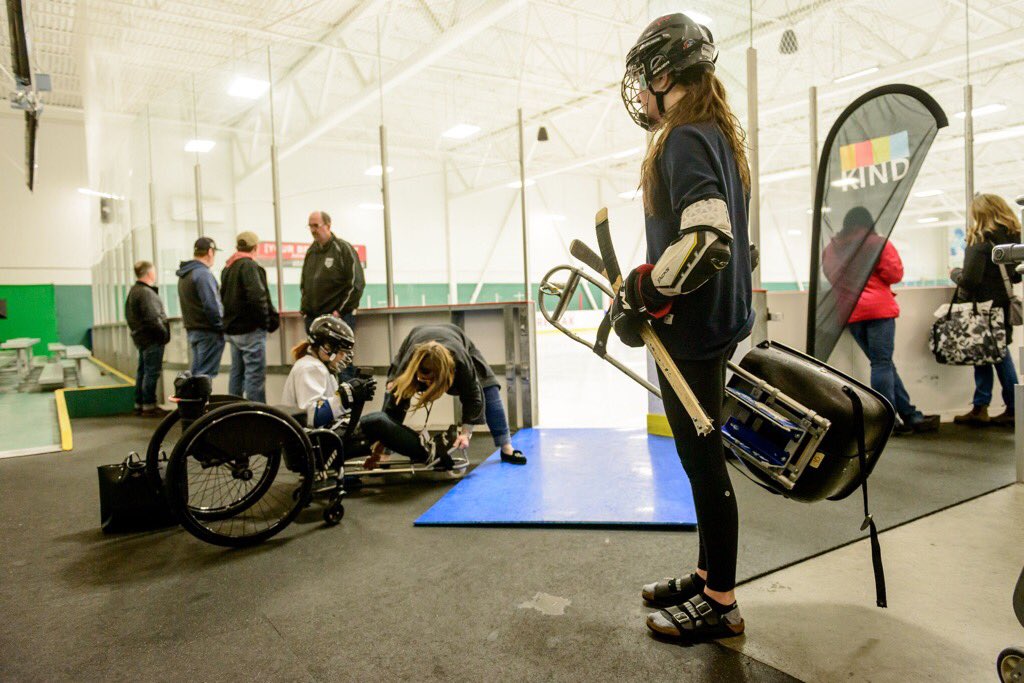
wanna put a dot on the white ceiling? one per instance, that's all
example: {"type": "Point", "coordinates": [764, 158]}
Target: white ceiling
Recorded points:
{"type": "Point", "coordinates": [477, 61]}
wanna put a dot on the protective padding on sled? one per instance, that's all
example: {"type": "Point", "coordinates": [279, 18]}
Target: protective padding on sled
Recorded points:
{"type": "Point", "coordinates": [574, 477]}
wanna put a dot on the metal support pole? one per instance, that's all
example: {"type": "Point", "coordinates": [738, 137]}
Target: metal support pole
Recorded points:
{"type": "Point", "coordinates": [198, 168]}
{"type": "Point", "coordinates": [754, 217]}
{"type": "Point", "coordinates": [199, 199]}
{"type": "Point", "coordinates": [812, 118]}
{"type": "Point", "coordinates": [385, 178]}
{"type": "Point", "coordinates": [449, 248]}
{"type": "Point", "coordinates": [522, 210]}
{"type": "Point", "coordinates": [152, 202]}
{"type": "Point", "coordinates": [968, 149]}
{"type": "Point", "coordinates": [528, 326]}
{"type": "Point", "coordinates": [275, 189]}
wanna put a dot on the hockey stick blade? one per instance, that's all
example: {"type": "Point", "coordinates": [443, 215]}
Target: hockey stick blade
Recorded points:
{"type": "Point", "coordinates": [581, 251]}
{"type": "Point", "coordinates": [607, 248]}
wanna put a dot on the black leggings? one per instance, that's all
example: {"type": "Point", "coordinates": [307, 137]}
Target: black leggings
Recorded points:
{"type": "Point", "coordinates": [703, 458]}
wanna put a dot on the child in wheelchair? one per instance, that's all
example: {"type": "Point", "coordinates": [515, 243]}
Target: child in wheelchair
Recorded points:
{"type": "Point", "coordinates": [313, 386]}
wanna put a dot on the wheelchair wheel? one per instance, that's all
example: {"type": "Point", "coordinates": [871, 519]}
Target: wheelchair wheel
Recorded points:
{"type": "Point", "coordinates": [240, 474]}
{"type": "Point", "coordinates": [334, 512]}
{"type": "Point", "coordinates": [1009, 665]}
{"type": "Point", "coordinates": [166, 434]}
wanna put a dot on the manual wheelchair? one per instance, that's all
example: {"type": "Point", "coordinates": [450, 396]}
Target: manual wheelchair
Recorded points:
{"type": "Point", "coordinates": [236, 472]}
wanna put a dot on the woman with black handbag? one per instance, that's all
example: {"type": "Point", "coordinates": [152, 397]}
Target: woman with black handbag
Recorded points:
{"type": "Point", "coordinates": [992, 222]}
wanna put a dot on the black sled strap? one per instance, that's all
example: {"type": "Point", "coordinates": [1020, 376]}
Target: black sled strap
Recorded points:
{"type": "Point", "coordinates": [603, 330]}
{"type": "Point", "coordinates": [869, 523]}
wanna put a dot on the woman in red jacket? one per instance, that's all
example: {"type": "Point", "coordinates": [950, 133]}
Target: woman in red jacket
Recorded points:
{"type": "Point", "coordinates": [873, 320]}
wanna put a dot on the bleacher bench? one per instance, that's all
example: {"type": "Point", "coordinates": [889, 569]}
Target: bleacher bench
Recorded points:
{"type": "Point", "coordinates": [78, 354]}
{"type": "Point", "coordinates": [52, 376]}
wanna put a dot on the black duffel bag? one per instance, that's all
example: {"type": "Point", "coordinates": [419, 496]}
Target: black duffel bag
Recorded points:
{"type": "Point", "coordinates": [128, 500]}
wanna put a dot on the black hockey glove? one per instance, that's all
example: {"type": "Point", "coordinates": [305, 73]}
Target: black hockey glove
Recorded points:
{"type": "Point", "coordinates": [628, 312]}
{"type": "Point", "coordinates": [360, 389]}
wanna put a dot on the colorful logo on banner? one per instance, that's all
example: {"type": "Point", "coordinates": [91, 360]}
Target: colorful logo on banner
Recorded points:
{"type": "Point", "coordinates": [293, 253]}
{"type": "Point", "coordinates": [880, 160]}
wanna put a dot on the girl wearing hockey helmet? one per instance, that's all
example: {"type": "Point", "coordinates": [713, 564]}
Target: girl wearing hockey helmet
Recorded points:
{"type": "Point", "coordinates": [312, 383]}
{"type": "Point", "coordinates": [695, 289]}
{"type": "Point", "coordinates": [435, 360]}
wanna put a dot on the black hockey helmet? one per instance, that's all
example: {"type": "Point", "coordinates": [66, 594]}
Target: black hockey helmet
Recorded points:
{"type": "Point", "coordinates": [333, 335]}
{"type": "Point", "coordinates": [675, 44]}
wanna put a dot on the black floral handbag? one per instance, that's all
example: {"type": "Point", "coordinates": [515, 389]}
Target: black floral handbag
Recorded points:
{"type": "Point", "coordinates": [970, 333]}
{"type": "Point", "coordinates": [128, 500]}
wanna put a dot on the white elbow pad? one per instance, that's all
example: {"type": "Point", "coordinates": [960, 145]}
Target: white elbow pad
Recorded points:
{"type": "Point", "coordinates": [702, 249]}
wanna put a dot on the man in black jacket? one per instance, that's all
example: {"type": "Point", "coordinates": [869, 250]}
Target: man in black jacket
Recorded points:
{"type": "Point", "coordinates": [332, 276]}
{"type": "Point", "coordinates": [249, 315]}
{"type": "Point", "coordinates": [147, 321]}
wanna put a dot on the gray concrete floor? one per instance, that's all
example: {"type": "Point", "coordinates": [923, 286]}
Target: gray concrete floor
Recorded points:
{"type": "Point", "coordinates": [949, 578]}
{"type": "Point", "coordinates": [376, 598]}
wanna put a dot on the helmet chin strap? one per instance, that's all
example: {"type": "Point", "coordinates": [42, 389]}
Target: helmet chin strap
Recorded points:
{"type": "Point", "coordinates": [659, 97]}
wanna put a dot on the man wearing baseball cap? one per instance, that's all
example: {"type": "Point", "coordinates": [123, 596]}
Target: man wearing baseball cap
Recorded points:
{"type": "Point", "coordinates": [249, 314]}
{"type": "Point", "coordinates": [201, 309]}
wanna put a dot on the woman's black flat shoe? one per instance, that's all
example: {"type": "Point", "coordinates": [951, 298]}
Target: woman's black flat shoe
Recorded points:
{"type": "Point", "coordinates": [514, 458]}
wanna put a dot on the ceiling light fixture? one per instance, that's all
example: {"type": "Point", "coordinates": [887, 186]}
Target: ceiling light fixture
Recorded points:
{"type": "Point", "coordinates": [460, 131]}
{"type": "Point", "coordinates": [376, 170]}
{"type": "Point", "coordinates": [199, 146]}
{"type": "Point", "coordinates": [248, 88]}
{"type": "Point", "coordinates": [929, 219]}
{"type": "Point", "coordinates": [984, 110]}
{"type": "Point", "coordinates": [94, 193]}
{"type": "Point", "coordinates": [516, 185]}
{"type": "Point", "coordinates": [856, 74]}
{"type": "Point", "coordinates": [632, 194]}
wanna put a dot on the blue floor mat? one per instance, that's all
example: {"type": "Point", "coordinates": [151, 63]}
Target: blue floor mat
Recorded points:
{"type": "Point", "coordinates": [575, 477]}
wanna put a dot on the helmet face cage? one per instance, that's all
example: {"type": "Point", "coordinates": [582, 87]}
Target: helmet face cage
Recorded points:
{"type": "Point", "coordinates": [675, 49]}
{"type": "Point", "coordinates": [333, 337]}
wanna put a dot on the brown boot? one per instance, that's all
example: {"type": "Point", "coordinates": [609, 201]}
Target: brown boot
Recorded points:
{"type": "Point", "coordinates": [977, 417]}
{"type": "Point", "coordinates": [1004, 419]}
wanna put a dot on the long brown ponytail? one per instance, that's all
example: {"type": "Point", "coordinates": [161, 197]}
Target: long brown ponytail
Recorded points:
{"type": "Point", "coordinates": [705, 100]}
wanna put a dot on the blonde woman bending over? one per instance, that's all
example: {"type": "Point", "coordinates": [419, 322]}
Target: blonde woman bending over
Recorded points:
{"type": "Point", "coordinates": [435, 360]}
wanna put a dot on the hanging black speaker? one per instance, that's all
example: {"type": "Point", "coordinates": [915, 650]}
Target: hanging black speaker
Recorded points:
{"type": "Point", "coordinates": [788, 43]}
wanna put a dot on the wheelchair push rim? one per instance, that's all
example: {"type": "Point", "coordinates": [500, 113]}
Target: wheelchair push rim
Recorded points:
{"type": "Point", "coordinates": [240, 474]}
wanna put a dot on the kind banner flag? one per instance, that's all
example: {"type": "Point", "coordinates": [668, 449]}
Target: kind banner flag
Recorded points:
{"type": "Point", "coordinates": [868, 165]}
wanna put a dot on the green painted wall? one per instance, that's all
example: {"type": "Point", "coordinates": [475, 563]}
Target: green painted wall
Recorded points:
{"type": "Point", "coordinates": [31, 312]}
{"type": "Point", "coordinates": [74, 314]}
{"type": "Point", "coordinates": [50, 312]}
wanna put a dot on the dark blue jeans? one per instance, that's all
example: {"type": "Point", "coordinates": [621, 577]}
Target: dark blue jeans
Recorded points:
{"type": "Point", "coordinates": [349, 318]}
{"type": "Point", "coordinates": [151, 361]}
{"type": "Point", "coordinates": [248, 365]}
{"type": "Point", "coordinates": [207, 347]}
{"type": "Point", "coordinates": [494, 413]}
{"type": "Point", "coordinates": [876, 339]}
{"type": "Point", "coordinates": [983, 381]}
